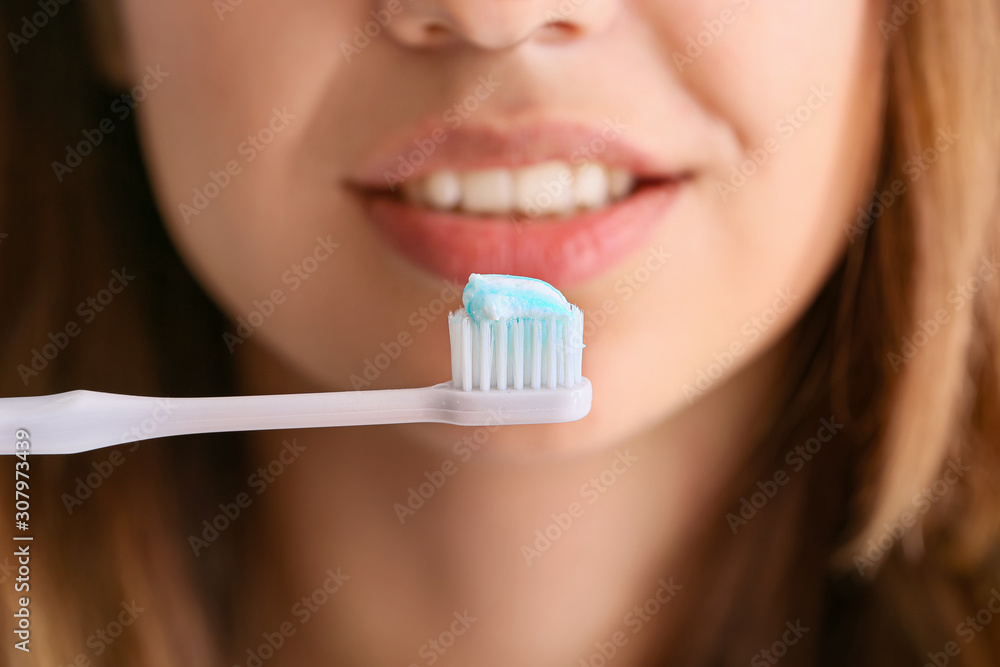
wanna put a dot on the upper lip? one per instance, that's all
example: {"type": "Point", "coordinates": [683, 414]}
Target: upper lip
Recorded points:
{"type": "Point", "coordinates": [472, 147]}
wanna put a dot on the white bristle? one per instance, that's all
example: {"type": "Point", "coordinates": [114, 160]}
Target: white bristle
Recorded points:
{"type": "Point", "coordinates": [516, 353]}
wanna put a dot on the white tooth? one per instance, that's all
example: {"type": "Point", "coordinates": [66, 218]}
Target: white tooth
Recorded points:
{"type": "Point", "coordinates": [622, 183]}
{"type": "Point", "coordinates": [443, 190]}
{"type": "Point", "coordinates": [591, 185]}
{"type": "Point", "coordinates": [544, 189]}
{"type": "Point", "coordinates": [488, 191]}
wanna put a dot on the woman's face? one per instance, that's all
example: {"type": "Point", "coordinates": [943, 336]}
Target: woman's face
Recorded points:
{"type": "Point", "coordinates": [686, 172]}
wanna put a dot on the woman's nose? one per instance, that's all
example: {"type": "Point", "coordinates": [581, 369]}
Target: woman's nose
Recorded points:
{"type": "Point", "coordinates": [493, 24]}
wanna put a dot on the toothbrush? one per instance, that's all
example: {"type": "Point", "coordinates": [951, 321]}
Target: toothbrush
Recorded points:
{"type": "Point", "coordinates": [516, 358]}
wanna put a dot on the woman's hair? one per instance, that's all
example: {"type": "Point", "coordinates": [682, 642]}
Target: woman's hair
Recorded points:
{"type": "Point", "coordinates": [882, 545]}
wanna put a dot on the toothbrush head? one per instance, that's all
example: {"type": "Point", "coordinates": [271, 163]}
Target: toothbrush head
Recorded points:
{"type": "Point", "coordinates": [515, 333]}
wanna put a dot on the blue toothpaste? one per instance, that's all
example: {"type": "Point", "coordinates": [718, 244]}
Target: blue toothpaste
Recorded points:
{"type": "Point", "coordinates": [500, 297]}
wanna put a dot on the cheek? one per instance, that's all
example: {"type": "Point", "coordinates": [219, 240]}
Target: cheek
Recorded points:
{"type": "Point", "coordinates": [797, 89]}
{"type": "Point", "coordinates": [250, 202]}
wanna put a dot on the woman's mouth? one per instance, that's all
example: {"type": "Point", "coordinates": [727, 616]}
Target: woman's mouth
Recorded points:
{"type": "Point", "coordinates": [532, 203]}
{"type": "Point", "coordinates": [553, 188]}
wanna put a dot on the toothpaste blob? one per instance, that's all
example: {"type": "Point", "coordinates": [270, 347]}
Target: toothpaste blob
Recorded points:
{"type": "Point", "coordinates": [498, 297]}
{"type": "Point", "coordinates": [515, 333]}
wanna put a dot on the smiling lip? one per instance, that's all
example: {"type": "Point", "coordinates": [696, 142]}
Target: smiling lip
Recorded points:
{"type": "Point", "coordinates": [561, 250]}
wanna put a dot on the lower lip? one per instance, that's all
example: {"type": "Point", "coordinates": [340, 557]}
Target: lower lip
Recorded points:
{"type": "Point", "coordinates": [563, 251]}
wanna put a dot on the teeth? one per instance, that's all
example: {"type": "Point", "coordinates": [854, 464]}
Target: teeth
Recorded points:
{"type": "Point", "coordinates": [544, 189]}
{"type": "Point", "coordinates": [622, 183]}
{"type": "Point", "coordinates": [442, 189]}
{"type": "Point", "coordinates": [592, 186]}
{"type": "Point", "coordinates": [488, 191]}
{"type": "Point", "coordinates": [539, 190]}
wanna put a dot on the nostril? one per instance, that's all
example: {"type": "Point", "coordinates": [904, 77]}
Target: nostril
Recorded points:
{"type": "Point", "coordinates": [559, 30]}
{"type": "Point", "coordinates": [436, 31]}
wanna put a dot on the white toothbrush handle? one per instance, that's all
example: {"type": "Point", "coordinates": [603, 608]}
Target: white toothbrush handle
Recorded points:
{"type": "Point", "coordinates": [79, 421]}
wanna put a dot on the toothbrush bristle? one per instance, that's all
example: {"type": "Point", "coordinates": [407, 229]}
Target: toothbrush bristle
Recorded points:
{"type": "Point", "coordinates": [516, 353]}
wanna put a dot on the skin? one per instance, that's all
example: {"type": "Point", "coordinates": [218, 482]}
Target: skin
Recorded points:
{"type": "Point", "coordinates": [732, 254]}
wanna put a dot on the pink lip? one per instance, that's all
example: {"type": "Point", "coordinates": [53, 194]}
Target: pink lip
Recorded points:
{"type": "Point", "coordinates": [483, 147]}
{"type": "Point", "coordinates": [562, 251]}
